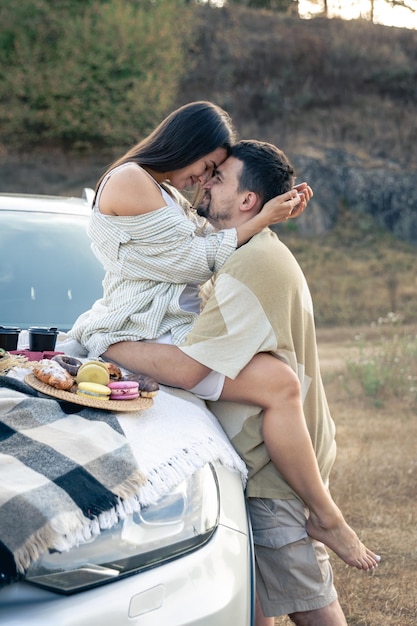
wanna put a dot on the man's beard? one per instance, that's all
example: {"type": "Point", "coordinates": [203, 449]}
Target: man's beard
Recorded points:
{"type": "Point", "coordinates": [215, 217]}
{"type": "Point", "coordinates": [203, 208]}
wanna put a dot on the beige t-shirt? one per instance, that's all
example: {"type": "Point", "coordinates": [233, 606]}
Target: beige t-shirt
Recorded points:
{"type": "Point", "coordinates": [260, 302]}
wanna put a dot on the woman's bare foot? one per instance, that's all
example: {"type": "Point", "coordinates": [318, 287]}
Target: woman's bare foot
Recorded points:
{"type": "Point", "coordinates": [343, 540]}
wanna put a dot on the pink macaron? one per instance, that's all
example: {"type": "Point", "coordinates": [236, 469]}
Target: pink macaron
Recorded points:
{"type": "Point", "coordinates": [124, 390]}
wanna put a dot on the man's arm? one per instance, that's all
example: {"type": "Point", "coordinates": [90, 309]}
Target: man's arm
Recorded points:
{"type": "Point", "coordinates": [165, 363]}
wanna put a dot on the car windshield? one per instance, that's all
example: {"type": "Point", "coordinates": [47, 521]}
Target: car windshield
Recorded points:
{"type": "Point", "coordinates": [48, 273]}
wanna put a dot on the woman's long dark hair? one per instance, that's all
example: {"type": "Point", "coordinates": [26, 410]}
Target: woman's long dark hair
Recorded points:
{"type": "Point", "coordinates": [186, 135]}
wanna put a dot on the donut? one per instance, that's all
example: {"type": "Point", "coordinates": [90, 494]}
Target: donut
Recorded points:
{"type": "Point", "coordinates": [148, 387]}
{"type": "Point", "coordinates": [114, 371]}
{"type": "Point", "coordinates": [51, 373]}
{"type": "Point", "coordinates": [69, 363]}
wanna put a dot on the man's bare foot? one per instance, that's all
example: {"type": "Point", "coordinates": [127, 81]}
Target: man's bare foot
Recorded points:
{"type": "Point", "coordinates": [344, 542]}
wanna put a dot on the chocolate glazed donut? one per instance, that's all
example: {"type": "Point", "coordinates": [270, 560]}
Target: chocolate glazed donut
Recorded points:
{"type": "Point", "coordinates": [69, 363]}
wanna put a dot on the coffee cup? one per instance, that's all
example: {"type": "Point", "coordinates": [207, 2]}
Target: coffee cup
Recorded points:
{"type": "Point", "coordinates": [9, 337]}
{"type": "Point", "coordinates": [42, 339]}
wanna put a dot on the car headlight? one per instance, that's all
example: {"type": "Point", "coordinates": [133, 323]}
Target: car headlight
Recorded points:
{"type": "Point", "coordinates": [179, 523]}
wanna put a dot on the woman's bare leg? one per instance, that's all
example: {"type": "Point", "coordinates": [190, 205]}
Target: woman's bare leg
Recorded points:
{"type": "Point", "coordinates": [272, 385]}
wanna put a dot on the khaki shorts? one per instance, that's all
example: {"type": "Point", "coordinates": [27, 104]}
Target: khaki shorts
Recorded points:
{"type": "Point", "coordinates": [293, 571]}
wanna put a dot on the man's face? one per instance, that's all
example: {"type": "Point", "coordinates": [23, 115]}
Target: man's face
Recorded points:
{"type": "Point", "coordinates": [221, 200]}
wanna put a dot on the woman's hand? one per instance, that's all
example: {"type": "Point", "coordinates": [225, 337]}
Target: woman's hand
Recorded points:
{"type": "Point", "coordinates": [306, 193]}
{"type": "Point", "coordinates": [288, 205]}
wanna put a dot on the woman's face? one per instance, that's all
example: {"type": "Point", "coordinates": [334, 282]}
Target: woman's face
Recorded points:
{"type": "Point", "coordinates": [199, 171]}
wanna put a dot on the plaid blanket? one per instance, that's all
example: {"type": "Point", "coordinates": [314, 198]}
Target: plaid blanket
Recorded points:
{"type": "Point", "coordinates": [65, 472]}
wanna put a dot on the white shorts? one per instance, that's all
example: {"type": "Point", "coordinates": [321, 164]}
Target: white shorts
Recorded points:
{"type": "Point", "coordinates": [210, 387]}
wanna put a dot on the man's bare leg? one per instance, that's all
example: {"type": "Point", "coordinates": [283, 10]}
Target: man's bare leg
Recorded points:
{"type": "Point", "coordinates": [272, 385]}
{"type": "Point", "coordinates": [260, 619]}
{"type": "Point", "coordinates": [331, 615]}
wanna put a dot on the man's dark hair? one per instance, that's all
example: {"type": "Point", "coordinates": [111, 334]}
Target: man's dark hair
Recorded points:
{"type": "Point", "coordinates": [266, 169]}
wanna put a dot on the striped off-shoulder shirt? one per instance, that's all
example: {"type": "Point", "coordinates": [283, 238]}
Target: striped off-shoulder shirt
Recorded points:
{"type": "Point", "coordinates": [154, 265]}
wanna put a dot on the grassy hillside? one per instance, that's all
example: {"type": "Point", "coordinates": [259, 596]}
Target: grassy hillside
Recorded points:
{"type": "Point", "coordinates": [101, 73]}
{"type": "Point", "coordinates": [319, 82]}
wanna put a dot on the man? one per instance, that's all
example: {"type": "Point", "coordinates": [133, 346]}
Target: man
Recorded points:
{"type": "Point", "coordinates": [260, 302]}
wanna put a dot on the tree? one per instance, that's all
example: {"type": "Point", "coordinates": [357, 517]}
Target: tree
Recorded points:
{"type": "Point", "coordinates": [411, 5]}
{"type": "Point", "coordinates": [367, 10]}
{"type": "Point", "coordinates": [274, 5]}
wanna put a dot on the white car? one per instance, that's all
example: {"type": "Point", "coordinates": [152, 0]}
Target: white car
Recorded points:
{"type": "Point", "coordinates": [185, 560]}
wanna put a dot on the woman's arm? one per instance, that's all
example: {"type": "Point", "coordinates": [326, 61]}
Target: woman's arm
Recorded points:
{"type": "Point", "coordinates": [279, 209]}
{"type": "Point", "coordinates": [165, 363]}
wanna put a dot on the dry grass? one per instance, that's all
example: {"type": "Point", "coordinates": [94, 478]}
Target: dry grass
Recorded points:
{"type": "Point", "coordinates": [357, 272]}
{"type": "Point", "coordinates": [375, 483]}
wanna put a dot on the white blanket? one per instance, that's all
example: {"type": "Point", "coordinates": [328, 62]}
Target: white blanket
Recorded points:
{"type": "Point", "coordinates": [170, 441]}
{"type": "Point", "coordinates": [173, 439]}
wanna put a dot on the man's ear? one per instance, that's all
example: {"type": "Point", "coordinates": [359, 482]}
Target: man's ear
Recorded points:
{"type": "Point", "coordinates": [250, 201]}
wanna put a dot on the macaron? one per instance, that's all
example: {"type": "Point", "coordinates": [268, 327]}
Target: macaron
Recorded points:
{"type": "Point", "coordinates": [124, 390]}
{"type": "Point", "coordinates": [93, 372]}
{"type": "Point", "coordinates": [93, 390]}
